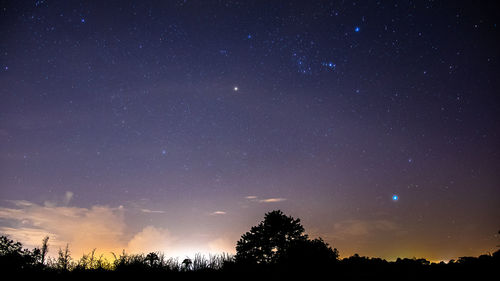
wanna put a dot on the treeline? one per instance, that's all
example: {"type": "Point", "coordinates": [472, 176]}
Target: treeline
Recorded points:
{"type": "Point", "coordinates": [15, 259]}
{"type": "Point", "coordinates": [276, 247]}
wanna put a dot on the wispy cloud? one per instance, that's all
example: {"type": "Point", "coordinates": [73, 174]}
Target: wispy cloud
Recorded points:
{"type": "Point", "coordinates": [272, 200]}
{"type": "Point", "coordinates": [148, 211]}
{"type": "Point", "coordinates": [218, 213]}
{"type": "Point", "coordinates": [265, 200]}
{"type": "Point", "coordinates": [67, 197]}
{"type": "Point", "coordinates": [20, 203]}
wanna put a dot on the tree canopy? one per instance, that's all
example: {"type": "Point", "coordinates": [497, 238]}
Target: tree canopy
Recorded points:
{"type": "Point", "coordinates": [265, 242]}
{"type": "Point", "coordinates": [281, 239]}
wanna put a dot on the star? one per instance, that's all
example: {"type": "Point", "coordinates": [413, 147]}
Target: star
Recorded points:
{"type": "Point", "coordinates": [235, 88]}
{"type": "Point", "coordinates": [356, 29]}
{"type": "Point", "coordinates": [329, 65]}
{"type": "Point", "coordinates": [395, 197]}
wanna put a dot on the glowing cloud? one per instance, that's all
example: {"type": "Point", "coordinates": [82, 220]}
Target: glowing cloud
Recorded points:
{"type": "Point", "coordinates": [266, 200]}
{"type": "Point", "coordinates": [218, 213]}
{"type": "Point", "coordinates": [151, 239]}
{"type": "Point", "coordinates": [148, 211]}
{"type": "Point", "coordinates": [67, 197]}
{"type": "Point", "coordinates": [272, 200]}
{"type": "Point", "coordinates": [100, 227]}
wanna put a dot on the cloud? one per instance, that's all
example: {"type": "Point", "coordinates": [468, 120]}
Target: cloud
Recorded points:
{"type": "Point", "coordinates": [100, 227]}
{"type": "Point", "coordinates": [151, 239]}
{"type": "Point", "coordinates": [266, 200]}
{"type": "Point", "coordinates": [148, 211]}
{"type": "Point", "coordinates": [20, 203]}
{"type": "Point", "coordinates": [222, 245]}
{"type": "Point", "coordinates": [29, 236]}
{"type": "Point", "coordinates": [218, 213]}
{"type": "Point", "coordinates": [67, 197]}
{"type": "Point", "coordinates": [272, 200]}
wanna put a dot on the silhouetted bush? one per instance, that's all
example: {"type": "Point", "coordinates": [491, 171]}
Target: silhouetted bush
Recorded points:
{"type": "Point", "coordinates": [13, 257]}
{"type": "Point", "coordinates": [312, 255]}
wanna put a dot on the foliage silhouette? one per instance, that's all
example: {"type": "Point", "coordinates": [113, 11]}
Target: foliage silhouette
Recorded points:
{"type": "Point", "coordinates": [64, 259]}
{"type": "Point", "coordinates": [13, 257]}
{"type": "Point", "coordinates": [309, 254]}
{"type": "Point", "coordinates": [45, 249]}
{"type": "Point", "coordinates": [277, 247]}
{"type": "Point", "coordinates": [264, 243]}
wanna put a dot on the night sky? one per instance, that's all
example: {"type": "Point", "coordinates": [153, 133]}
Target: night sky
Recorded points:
{"type": "Point", "coordinates": [175, 125]}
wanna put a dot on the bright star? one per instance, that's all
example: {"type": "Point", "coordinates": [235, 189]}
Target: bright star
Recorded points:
{"type": "Point", "coordinates": [356, 29]}
{"type": "Point", "coordinates": [395, 197]}
{"type": "Point", "coordinates": [235, 89]}
{"type": "Point", "coordinates": [83, 20]}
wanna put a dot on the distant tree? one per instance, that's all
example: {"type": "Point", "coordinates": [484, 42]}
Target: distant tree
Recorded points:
{"type": "Point", "coordinates": [264, 243]}
{"type": "Point", "coordinates": [496, 254]}
{"type": "Point", "coordinates": [9, 247]}
{"type": "Point", "coordinates": [309, 254]}
{"type": "Point", "coordinates": [14, 257]}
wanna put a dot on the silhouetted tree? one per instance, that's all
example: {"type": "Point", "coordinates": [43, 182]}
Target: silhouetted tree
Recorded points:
{"type": "Point", "coordinates": [309, 254]}
{"type": "Point", "coordinates": [9, 247]}
{"type": "Point", "coordinates": [264, 243]}
{"type": "Point", "coordinates": [14, 257]}
{"type": "Point", "coordinates": [496, 254]}
{"type": "Point", "coordinates": [45, 249]}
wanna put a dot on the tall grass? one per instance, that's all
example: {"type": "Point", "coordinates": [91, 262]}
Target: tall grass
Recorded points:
{"type": "Point", "coordinates": [125, 262]}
